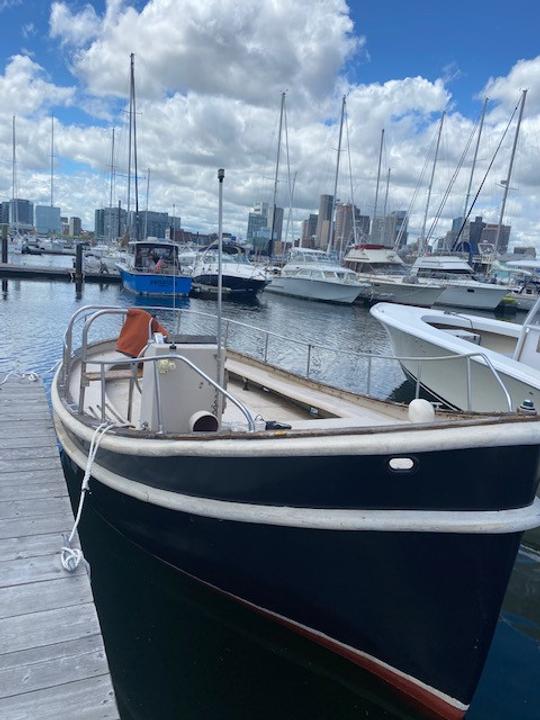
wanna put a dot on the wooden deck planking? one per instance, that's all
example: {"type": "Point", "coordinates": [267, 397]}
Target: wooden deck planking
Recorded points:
{"type": "Point", "coordinates": [52, 658]}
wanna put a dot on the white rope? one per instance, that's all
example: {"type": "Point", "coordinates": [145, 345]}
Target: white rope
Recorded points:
{"type": "Point", "coordinates": [31, 375]}
{"type": "Point", "coordinates": [71, 557]}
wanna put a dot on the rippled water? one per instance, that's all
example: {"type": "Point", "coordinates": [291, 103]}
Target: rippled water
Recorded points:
{"type": "Point", "coordinates": [176, 649]}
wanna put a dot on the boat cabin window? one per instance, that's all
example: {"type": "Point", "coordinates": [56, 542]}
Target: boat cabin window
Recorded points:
{"type": "Point", "coordinates": [153, 258]}
{"type": "Point", "coordinates": [331, 275]}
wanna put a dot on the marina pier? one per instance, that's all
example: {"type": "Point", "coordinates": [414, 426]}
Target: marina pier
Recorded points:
{"type": "Point", "coordinates": [52, 658]}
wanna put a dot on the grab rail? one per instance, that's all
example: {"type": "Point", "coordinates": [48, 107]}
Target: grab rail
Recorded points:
{"type": "Point", "coordinates": [132, 361]}
{"type": "Point", "coordinates": [369, 357]}
{"type": "Point", "coordinates": [171, 356]}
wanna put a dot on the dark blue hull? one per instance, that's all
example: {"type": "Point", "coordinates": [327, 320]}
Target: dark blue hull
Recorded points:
{"type": "Point", "coordinates": [418, 609]}
{"type": "Point", "coordinates": [154, 284]}
{"type": "Point", "coordinates": [232, 283]}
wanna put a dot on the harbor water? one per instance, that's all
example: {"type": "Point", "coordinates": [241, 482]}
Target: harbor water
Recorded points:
{"type": "Point", "coordinates": [177, 649]}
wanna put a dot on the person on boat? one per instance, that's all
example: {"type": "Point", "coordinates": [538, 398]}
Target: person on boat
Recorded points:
{"type": "Point", "coordinates": [137, 327]}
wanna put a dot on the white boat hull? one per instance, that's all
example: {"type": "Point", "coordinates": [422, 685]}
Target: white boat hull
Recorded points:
{"type": "Point", "coordinates": [480, 297]}
{"type": "Point", "coordinates": [314, 289]}
{"type": "Point", "coordinates": [381, 290]}
{"type": "Point", "coordinates": [447, 379]}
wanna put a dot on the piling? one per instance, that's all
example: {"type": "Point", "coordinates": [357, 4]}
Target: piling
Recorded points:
{"type": "Point", "coordinates": [4, 243]}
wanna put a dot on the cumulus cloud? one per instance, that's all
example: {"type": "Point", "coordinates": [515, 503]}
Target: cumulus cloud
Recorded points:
{"type": "Point", "coordinates": [209, 77]}
{"type": "Point", "coordinates": [24, 88]}
{"type": "Point", "coordinates": [73, 28]}
{"type": "Point", "coordinates": [250, 50]}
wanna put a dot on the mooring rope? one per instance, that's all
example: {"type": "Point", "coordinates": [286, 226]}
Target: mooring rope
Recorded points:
{"type": "Point", "coordinates": [71, 557]}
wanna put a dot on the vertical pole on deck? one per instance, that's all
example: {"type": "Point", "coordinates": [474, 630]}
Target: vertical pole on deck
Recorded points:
{"type": "Point", "coordinates": [221, 358]}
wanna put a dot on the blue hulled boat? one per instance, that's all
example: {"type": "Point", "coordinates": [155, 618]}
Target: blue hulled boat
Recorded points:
{"type": "Point", "coordinates": [154, 269]}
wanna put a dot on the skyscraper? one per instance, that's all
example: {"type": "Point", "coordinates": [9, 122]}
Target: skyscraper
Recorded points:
{"type": "Point", "coordinates": [110, 223]}
{"type": "Point", "coordinates": [47, 219]}
{"type": "Point", "coordinates": [309, 230]}
{"type": "Point", "coordinates": [257, 219]}
{"type": "Point", "coordinates": [323, 221]}
{"type": "Point", "coordinates": [75, 226]}
{"type": "Point", "coordinates": [278, 223]}
{"type": "Point", "coordinates": [344, 225]}
{"type": "Point", "coordinates": [21, 213]}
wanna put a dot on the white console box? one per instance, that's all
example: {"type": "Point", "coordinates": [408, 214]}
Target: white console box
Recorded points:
{"type": "Point", "coordinates": [182, 391]}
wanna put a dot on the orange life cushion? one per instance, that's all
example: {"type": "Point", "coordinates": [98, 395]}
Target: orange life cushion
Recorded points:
{"type": "Point", "coordinates": [134, 334]}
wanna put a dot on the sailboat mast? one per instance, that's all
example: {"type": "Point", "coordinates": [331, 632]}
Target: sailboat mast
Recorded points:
{"type": "Point", "coordinates": [129, 147]}
{"type": "Point", "coordinates": [378, 181]}
{"type": "Point", "coordinates": [135, 166]}
{"type": "Point", "coordinates": [507, 183]}
{"type": "Point", "coordinates": [52, 160]}
{"type": "Point", "coordinates": [333, 204]}
{"type": "Point", "coordinates": [480, 127]}
{"type": "Point", "coordinates": [385, 205]}
{"type": "Point", "coordinates": [423, 233]}
{"type": "Point", "coordinates": [353, 208]}
{"type": "Point", "coordinates": [271, 243]}
{"type": "Point", "coordinates": [14, 180]}
{"type": "Point", "coordinates": [111, 189]}
{"type": "Point", "coordinates": [147, 200]}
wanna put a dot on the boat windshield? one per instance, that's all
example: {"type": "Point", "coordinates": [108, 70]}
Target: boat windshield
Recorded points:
{"type": "Point", "coordinates": [155, 257]}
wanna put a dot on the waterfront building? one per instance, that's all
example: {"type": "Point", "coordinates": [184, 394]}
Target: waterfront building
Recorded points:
{"type": "Point", "coordinates": [4, 213]}
{"type": "Point", "coordinates": [47, 219]}
{"type": "Point", "coordinates": [278, 224]}
{"type": "Point", "coordinates": [489, 235]}
{"type": "Point", "coordinates": [75, 226]}
{"type": "Point", "coordinates": [386, 230]}
{"type": "Point", "coordinates": [323, 221]}
{"type": "Point", "coordinates": [110, 223]}
{"type": "Point", "coordinates": [21, 213]}
{"type": "Point", "coordinates": [257, 219]}
{"type": "Point", "coordinates": [344, 225]}
{"type": "Point", "coordinates": [309, 230]}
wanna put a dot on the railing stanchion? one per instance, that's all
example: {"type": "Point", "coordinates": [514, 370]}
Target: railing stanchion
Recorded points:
{"type": "Point", "coordinates": [130, 391]}
{"type": "Point", "coordinates": [469, 386]}
{"type": "Point", "coordinates": [158, 397]}
{"type": "Point", "coordinates": [102, 393]}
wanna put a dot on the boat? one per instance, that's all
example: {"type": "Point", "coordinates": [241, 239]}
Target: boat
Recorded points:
{"type": "Point", "coordinates": [388, 278]}
{"type": "Point", "coordinates": [461, 289]}
{"type": "Point", "coordinates": [316, 275]}
{"type": "Point", "coordinates": [384, 532]}
{"type": "Point", "coordinates": [153, 269]}
{"type": "Point", "coordinates": [483, 343]}
{"type": "Point", "coordinates": [239, 276]}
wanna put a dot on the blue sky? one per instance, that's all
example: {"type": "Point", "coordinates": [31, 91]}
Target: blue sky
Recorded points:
{"type": "Point", "coordinates": [209, 77]}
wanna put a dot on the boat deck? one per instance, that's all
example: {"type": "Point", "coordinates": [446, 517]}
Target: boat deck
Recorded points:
{"type": "Point", "coordinates": [52, 659]}
{"type": "Point", "coordinates": [268, 392]}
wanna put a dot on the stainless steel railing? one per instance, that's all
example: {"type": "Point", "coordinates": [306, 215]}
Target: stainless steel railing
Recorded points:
{"type": "Point", "coordinates": [309, 348]}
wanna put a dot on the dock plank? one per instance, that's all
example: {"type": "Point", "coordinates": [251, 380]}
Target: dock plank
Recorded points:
{"type": "Point", "coordinates": [52, 658]}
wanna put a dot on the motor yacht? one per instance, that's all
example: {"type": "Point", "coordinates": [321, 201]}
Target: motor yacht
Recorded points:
{"type": "Point", "coordinates": [153, 269]}
{"type": "Point", "coordinates": [491, 365]}
{"type": "Point", "coordinates": [239, 275]}
{"type": "Point", "coordinates": [316, 275]}
{"type": "Point", "coordinates": [388, 278]}
{"type": "Point", "coordinates": [457, 276]}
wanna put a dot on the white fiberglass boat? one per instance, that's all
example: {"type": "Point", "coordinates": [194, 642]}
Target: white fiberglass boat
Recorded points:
{"type": "Point", "coordinates": [239, 275]}
{"type": "Point", "coordinates": [491, 364]}
{"type": "Point", "coordinates": [461, 289]}
{"type": "Point", "coordinates": [388, 278]}
{"type": "Point", "coordinates": [315, 275]}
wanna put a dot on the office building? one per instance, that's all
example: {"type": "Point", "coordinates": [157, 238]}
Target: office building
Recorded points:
{"type": "Point", "coordinates": [323, 221]}
{"type": "Point", "coordinates": [21, 213]}
{"type": "Point", "coordinates": [151, 224]}
{"type": "Point", "coordinates": [386, 230]}
{"type": "Point", "coordinates": [345, 232]}
{"type": "Point", "coordinates": [4, 213]}
{"type": "Point", "coordinates": [109, 223]}
{"type": "Point", "coordinates": [257, 219]}
{"type": "Point", "coordinates": [261, 239]}
{"type": "Point", "coordinates": [309, 231]}
{"type": "Point", "coordinates": [47, 220]}
{"type": "Point", "coordinates": [489, 235]}
{"type": "Point", "coordinates": [278, 223]}
{"type": "Point", "coordinates": [75, 226]}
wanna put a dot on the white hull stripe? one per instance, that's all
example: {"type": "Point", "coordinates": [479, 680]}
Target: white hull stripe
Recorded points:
{"type": "Point", "coordinates": [434, 521]}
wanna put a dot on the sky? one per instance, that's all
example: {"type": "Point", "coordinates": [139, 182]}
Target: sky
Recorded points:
{"type": "Point", "coordinates": [209, 76]}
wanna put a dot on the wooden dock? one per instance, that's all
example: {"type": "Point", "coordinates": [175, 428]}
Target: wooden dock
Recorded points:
{"type": "Point", "coordinates": [52, 658]}
{"type": "Point", "coordinates": [39, 272]}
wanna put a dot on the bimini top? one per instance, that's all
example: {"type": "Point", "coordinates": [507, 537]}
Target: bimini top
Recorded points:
{"type": "Point", "coordinates": [153, 242]}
